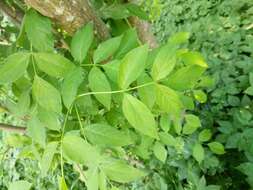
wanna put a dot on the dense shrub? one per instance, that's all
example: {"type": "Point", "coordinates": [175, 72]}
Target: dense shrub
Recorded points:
{"type": "Point", "coordinates": [222, 30]}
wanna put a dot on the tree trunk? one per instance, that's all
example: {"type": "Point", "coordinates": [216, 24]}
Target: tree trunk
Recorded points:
{"type": "Point", "coordinates": [71, 15]}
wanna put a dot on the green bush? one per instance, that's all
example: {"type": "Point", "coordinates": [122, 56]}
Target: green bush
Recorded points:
{"type": "Point", "coordinates": [222, 32]}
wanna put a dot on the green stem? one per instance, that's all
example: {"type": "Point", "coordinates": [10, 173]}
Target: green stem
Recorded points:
{"type": "Point", "coordinates": [79, 120]}
{"type": "Point", "coordinates": [62, 134]}
{"type": "Point", "coordinates": [116, 91]}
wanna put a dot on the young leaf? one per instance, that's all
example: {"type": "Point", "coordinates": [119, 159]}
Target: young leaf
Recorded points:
{"type": "Point", "coordinates": [160, 152]}
{"type": "Point", "coordinates": [99, 83]}
{"type": "Point", "coordinates": [168, 100]}
{"type": "Point", "coordinates": [198, 152]}
{"type": "Point", "coordinates": [205, 135]}
{"type": "Point", "coordinates": [70, 86]}
{"type": "Point", "coordinates": [147, 93]}
{"type": "Point", "coordinates": [81, 42]}
{"type": "Point", "coordinates": [129, 41]}
{"type": "Point", "coordinates": [53, 64]}
{"type": "Point", "coordinates": [102, 134]}
{"type": "Point", "coordinates": [37, 131]}
{"type": "Point", "coordinates": [14, 67]}
{"type": "Point", "coordinates": [216, 147]}
{"type": "Point", "coordinates": [106, 49]}
{"type": "Point", "coordinates": [164, 63]}
{"type": "Point", "coordinates": [49, 119]}
{"type": "Point", "coordinates": [80, 151]}
{"type": "Point", "coordinates": [139, 116]}
{"type": "Point", "coordinates": [47, 157]}
{"type": "Point", "coordinates": [120, 172]}
{"type": "Point", "coordinates": [20, 185]}
{"type": "Point", "coordinates": [46, 95]}
{"type": "Point", "coordinates": [39, 31]}
{"type": "Point", "coordinates": [192, 124]}
{"type": "Point", "coordinates": [200, 96]}
{"type": "Point", "coordinates": [132, 65]}
{"type": "Point", "coordinates": [62, 183]}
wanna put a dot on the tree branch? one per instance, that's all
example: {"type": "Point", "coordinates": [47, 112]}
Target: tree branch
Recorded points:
{"type": "Point", "coordinates": [143, 29]}
{"type": "Point", "coordinates": [71, 15]}
{"type": "Point", "coordinates": [14, 14]}
{"type": "Point", "coordinates": [11, 128]}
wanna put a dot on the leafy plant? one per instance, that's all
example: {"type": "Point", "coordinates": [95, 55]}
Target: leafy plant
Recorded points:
{"type": "Point", "coordinates": [109, 110]}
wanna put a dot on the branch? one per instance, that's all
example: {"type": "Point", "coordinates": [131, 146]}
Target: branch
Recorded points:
{"type": "Point", "coordinates": [11, 128]}
{"type": "Point", "coordinates": [71, 15]}
{"type": "Point", "coordinates": [14, 14]}
{"type": "Point", "coordinates": [143, 29]}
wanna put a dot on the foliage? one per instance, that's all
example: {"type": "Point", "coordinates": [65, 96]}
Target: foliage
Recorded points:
{"type": "Point", "coordinates": [222, 32]}
{"type": "Point", "coordinates": [114, 112]}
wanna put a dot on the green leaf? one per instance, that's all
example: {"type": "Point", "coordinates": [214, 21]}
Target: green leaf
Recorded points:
{"type": "Point", "coordinates": [185, 78]}
{"type": "Point", "coordinates": [92, 178]}
{"type": "Point", "coordinates": [47, 157]}
{"type": "Point", "coordinates": [70, 86]}
{"type": "Point", "coordinates": [39, 31]}
{"type": "Point", "coordinates": [205, 135]}
{"type": "Point", "coordinates": [62, 184]}
{"type": "Point", "coordinates": [102, 181]}
{"type": "Point", "coordinates": [198, 152]}
{"type": "Point", "coordinates": [53, 64]}
{"type": "Point", "coordinates": [102, 134]}
{"type": "Point", "coordinates": [168, 100]}
{"type": "Point", "coordinates": [216, 147]}
{"type": "Point", "coordinates": [128, 42]}
{"type": "Point", "coordinates": [194, 58]}
{"type": "Point", "coordinates": [46, 95]}
{"type": "Point", "coordinates": [81, 42]}
{"type": "Point", "coordinates": [37, 131]}
{"type": "Point", "coordinates": [115, 11]}
{"type": "Point", "coordinates": [160, 152]}
{"type": "Point", "coordinates": [167, 139]}
{"type": "Point", "coordinates": [14, 67]}
{"type": "Point", "coordinates": [249, 91]}
{"type": "Point", "coordinates": [137, 11]}
{"type": "Point", "coordinates": [164, 63]}
{"type": "Point", "coordinates": [112, 70]}
{"type": "Point", "coordinates": [120, 172]}
{"type": "Point", "coordinates": [139, 116]}
{"type": "Point", "coordinates": [80, 151]}
{"type": "Point", "coordinates": [132, 65]}
{"type": "Point", "coordinates": [192, 124]}
{"type": "Point", "coordinates": [23, 104]}
{"type": "Point", "coordinates": [49, 119]}
{"type": "Point", "coordinates": [251, 78]}
{"type": "Point", "coordinates": [179, 38]}
{"type": "Point", "coordinates": [146, 93]}
{"type": "Point", "coordinates": [20, 185]}
{"type": "Point", "coordinates": [165, 122]}
{"type": "Point", "coordinates": [200, 96]}
{"type": "Point", "coordinates": [106, 49]}
{"type": "Point", "coordinates": [99, 83]}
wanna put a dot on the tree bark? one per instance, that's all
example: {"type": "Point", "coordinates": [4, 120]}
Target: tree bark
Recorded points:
{"type": "Point", "coordinates": [143, 29]}
{"type": "Point", "coordinates": [14, 14]}
{"type": "Point", "coordinates": [71, 15]}
{"type": "Point", "coordinates": [11, 128]}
